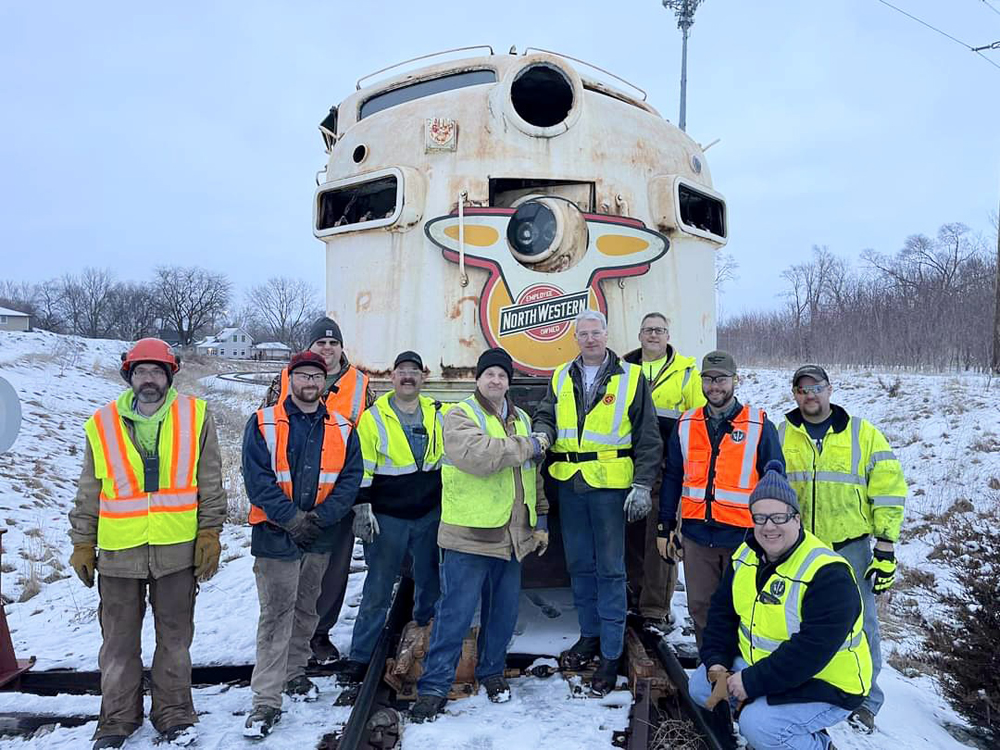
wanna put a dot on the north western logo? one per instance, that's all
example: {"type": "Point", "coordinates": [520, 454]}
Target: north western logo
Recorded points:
{"type": "Point", "coordinates": [543, 312]}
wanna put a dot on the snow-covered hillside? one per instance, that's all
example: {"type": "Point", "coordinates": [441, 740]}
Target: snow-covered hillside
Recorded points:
{"type": "Point", "coordinates": [943, 428]}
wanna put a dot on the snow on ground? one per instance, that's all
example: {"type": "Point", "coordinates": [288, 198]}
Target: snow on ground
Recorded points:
{"type": "Point", "coordinates": [944, 429]}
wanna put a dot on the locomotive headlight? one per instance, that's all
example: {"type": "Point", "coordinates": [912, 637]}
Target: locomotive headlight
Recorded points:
{"type": "Point", "coordinates": [547, 234]}
{"type": "Point", "coordinates": [534, 232]}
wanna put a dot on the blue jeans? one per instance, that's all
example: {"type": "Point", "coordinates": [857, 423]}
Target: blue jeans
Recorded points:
{"type": "Point", "coordinates": [468, 580]}
{"type": "Point", "coordinates": [593, 529]}
{"type": "Point", "coordinates": [859, 555]}
{"type": "Point", "coordinates": [384, 556]}
{"type": "Point", "coordinates": [789, 726]}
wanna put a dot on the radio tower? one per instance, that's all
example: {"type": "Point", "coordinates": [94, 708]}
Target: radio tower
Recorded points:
{"type": "Point", "coordinates": [684, 10]}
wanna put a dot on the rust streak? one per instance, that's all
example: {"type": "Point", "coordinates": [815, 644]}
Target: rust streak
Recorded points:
{"type": "Point", "coordinates": [456, 309]}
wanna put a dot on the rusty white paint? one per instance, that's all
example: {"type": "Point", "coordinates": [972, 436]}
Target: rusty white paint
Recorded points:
{"type": "Point", "coordinates": [390, 288]}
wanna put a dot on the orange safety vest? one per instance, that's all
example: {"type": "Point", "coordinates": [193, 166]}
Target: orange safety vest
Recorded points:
{"type": "Point", "coordinates": [735, 467]}
{"type": "Point", "coordinates": [348, 399]}
{"type": "Point", "coordinates": [273, 424]}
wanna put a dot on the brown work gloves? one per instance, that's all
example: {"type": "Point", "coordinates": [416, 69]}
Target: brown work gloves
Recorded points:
{"type": "Point", "coordinates": [541, 537]}
{"type": "Point", "coordinates": [84, 562]}
{"type": "Point", "coordinates": [717, 675]}
{"type": "Point", "coordinates": [670, 548]}
{"type": "Point", "coordinates": [206, 554]}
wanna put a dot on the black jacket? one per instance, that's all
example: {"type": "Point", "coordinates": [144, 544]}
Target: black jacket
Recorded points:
{"type": "Point", "coordinates": [647, 447]}
{"type": "Point", "coordinates": [830, 607]}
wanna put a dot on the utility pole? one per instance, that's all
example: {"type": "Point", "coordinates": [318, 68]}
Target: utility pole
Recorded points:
{"type": "Point", "coordinates": [684, 10]}
{"type": "Point", "coordinates": [995, 359]}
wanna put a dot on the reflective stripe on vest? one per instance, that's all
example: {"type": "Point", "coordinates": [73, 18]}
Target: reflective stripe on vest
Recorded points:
{"type": "Point", "coordinates": [349, 398]}
{"type": "Point", "coordinates": [606, 429]}
{"type": "Point", "coordinates": [487, 502]}
{"type": "Point", "coordinates": [128, 515]}
{"type": "Point", "coordinates": [272, 421]}
{"type": "Point", "coordinates": [735, 467]}
{"type": "Point", "coordinates": [764, 627]}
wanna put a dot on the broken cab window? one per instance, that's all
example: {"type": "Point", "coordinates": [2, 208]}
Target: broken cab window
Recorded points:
{"type": "Point", "coordinates": [358, 203]}
{"type": "Point", "coordinates": [701, 211]}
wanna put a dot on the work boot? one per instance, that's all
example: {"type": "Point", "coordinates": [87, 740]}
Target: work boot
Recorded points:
{"type": "Point", "coordinates": [353, 672]}
{"type": "Point", "coordinates": [182, 735]}
{"type": "Point", "coordinates": [497, 689]}
{"type": "Point", "coordinates": [261, 721]}
{"type": "Point", "coordinates": [323, 650]}
{"type": "Point", "coordinates": [110, 740]}
{"type": "Point", "coordinates": [662, 625]}
{"type": "Point", "coordinates": [427, 707]}
{"type": "Point", "coordinates": [862, 720]}
{"type": "Point", "coordinates": [301, 688]}
{"type": "Point", "coordinates": [580, 653]}
{"type": "Point", "coordinates": [605, 677]}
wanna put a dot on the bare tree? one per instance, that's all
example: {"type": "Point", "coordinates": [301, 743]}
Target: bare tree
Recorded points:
{"type": "Point", "coordinates": [95, 290]}
{"type": "Point", "coordinates": [48, 314]}
{"type": "Point", "coordinates": [17, 296]}
{"type": "Point", "coordinates": [131, 311]}
{"type": "Point", "coordinates": [284, 308]}
{"type": "Point", "coordinates": [190, 298]}
{"type": "Point", "coordinates": [725, 269]}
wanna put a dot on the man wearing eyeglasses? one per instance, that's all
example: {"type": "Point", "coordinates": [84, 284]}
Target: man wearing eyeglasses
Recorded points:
{"type": "Point", "coordinates": [399, 505]}
{"type": "Point", "coordinates": [347, 392]}
{"type": "Point", "coordinates": [784, 642]}
{"type": "Point", "coordinates": [851, 488]}
{"type": "Point", "coordinates": [714, 459]}
{"type": "Point", "coordinates": [675, 387]}
{"type": "Point", "coordinates": [302, 468]}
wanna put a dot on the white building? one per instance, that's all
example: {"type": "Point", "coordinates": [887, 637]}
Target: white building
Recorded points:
{"type": "Point", "coordinates": [14, 320]}
{"type": "Point", "coordinates": [231, 343]}
{"type": "Point", "coordinates": [272, 350]}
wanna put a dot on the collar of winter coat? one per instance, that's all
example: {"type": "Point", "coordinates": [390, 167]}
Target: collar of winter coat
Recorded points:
{"type": "Point", "coordinates": [611, 366]}
{"type": "Point", "coordinates": [334, 378]}
{"type": "Point", "coordinates": [840, 417]}
{"type": "Point", "coordinates": [489, 409]}
{"type": "Point", "coordinates": [126, 407]}
{"type": "Point", "coordinates": [634, 357]}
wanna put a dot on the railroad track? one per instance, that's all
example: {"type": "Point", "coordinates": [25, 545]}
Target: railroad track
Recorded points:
{"type": "Point", "coordinates": [375, 721]}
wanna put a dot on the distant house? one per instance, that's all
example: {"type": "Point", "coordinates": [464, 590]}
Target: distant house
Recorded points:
{"type": "Point", "coordinates": [231, 343]}
{"type": "Point", "coordinates": [14, 320]}
{"type": "Point", "coordinates": [272, 350]}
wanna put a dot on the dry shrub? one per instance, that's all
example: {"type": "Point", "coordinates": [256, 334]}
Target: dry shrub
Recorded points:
{"type": "Point", "coordinates": [965, 644]}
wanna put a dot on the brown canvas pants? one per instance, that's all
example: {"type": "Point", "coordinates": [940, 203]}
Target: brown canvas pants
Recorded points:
{"type": "Point", "coordinates": [703, 569]}
{"type": "Point", "coordinates": [121, 611]}
{"type": "Point", "coordinates": [653, 576]}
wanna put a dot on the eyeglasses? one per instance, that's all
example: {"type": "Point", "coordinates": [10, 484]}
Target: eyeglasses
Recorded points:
{"type": "Point", "coordinates": [590, 334]}
{"type": "Point", "coordinates": [805, 390]}
{"type": "Point", "coordinates": [307, 378]}
{"type": "Point", "coordinates": [658, 331]}
{"type": "Point", "coordinates": [778, 519]}
{"type": "Point", "coordinates": [713, 379]}
{"type": "Point", "coordinates": [408, 371]}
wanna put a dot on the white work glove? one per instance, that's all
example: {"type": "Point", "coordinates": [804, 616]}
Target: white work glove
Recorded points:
{"type": "Point", "coordinates": [365, 524]}
{"type": "Point", "coordinates": [540, 442]}
{"type": "Point", "coordinates": [638, 503]}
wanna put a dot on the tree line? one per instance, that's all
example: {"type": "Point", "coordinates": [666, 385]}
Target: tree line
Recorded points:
{"type": "Point", "coordinates": [929, 305]}
{"type": "Point", "coordinates": [187, 302]}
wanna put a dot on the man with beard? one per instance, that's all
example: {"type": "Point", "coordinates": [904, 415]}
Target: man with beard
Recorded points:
{"type": "Point", "coordinates": [302, 469]}
{"type": "Point", "coordinates": [675, 387]}
{"type": "Point", "coordinates": [606, 454]}
{"type": "Point", "coordinates": [347, 392]}
{"type": "Point", "coordinates": [399, 504]}
{"type": "Point", "coordinates": [851, 488]}
{"type": "Point", "coordinates": [714, 459]}
{"type": "Point", "coordinates": [150, 500]}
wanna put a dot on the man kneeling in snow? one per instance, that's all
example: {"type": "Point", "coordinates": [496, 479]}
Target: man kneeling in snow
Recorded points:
{"type": "Point", "coordinates": [784, 638]}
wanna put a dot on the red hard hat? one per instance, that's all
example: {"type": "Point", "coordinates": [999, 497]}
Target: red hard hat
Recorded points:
{"type": "Point", "coordinates": [150, 350]}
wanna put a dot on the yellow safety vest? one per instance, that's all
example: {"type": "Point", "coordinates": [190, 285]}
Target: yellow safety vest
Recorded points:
{"type": "Point", "coordinates": [486, 502]}
{"type": "Point", "coordinates": [676, 388]}
{"type": "Point", "coordinates": [767, 623]}
{"type": "Point", "coordinates": [384, 447]}
{"type": "Point", "coordinates": [854, 488]}
{"type": "Point", "coordinates": [607, 431]}
{"type": "Point", "coordinates": [129, 515]}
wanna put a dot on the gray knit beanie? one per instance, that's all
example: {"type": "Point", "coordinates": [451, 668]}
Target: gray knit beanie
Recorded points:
{"type": "Point", "coordinates": [774, 486]}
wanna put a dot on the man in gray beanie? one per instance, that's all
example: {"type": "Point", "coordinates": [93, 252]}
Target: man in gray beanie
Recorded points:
{"type": "Point", "coordinates": [347, 392]}
{"type": "Point", "coordinates": [785, 637]}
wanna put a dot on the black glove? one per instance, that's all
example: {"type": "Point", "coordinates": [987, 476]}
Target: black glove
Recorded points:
{"type": "Point", "coordinates": [304, 529]}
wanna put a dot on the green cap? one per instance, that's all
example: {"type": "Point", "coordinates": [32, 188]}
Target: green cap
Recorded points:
{"type": "Point", "coordinates": [719, 362]}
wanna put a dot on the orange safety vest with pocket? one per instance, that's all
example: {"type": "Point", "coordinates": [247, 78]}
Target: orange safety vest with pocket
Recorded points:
{"type": "Point", "coordinates": [273, 424]}
{"type": "Point", "coordinates": [348, 399]}
{"type": "Point", "coordinates": [733, 468]}
{"type": "Point", "coordinates": [131, 514]}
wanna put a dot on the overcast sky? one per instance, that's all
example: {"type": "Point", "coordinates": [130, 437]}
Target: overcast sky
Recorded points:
{"type": "Point", "coordinates": [141, 134]}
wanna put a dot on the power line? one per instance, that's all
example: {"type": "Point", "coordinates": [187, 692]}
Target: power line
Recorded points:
{"type": "Point", "coordinates": [942, 33]}
{"type": "Point", "coordinates": [992, 7]}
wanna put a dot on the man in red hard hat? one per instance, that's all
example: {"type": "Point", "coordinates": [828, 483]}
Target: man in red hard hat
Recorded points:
{"type": "Point", "coordinates": [149, 507]}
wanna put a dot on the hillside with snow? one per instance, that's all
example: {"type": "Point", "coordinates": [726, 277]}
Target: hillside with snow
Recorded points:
{"type": "Point", "coordinates": [944, 429]}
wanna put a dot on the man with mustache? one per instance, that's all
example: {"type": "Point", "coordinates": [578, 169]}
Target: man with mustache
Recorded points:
{"type": "Point", "coordinates": [148, 511]}
{"type": "Point", "coordinates": [399, 505]}
{"type": "Point", "coordinates": [347, 392]}
{"type": "Point", "coordinates": [302, 469]}
{"type": "Point", "coordinates": [714, 459]}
